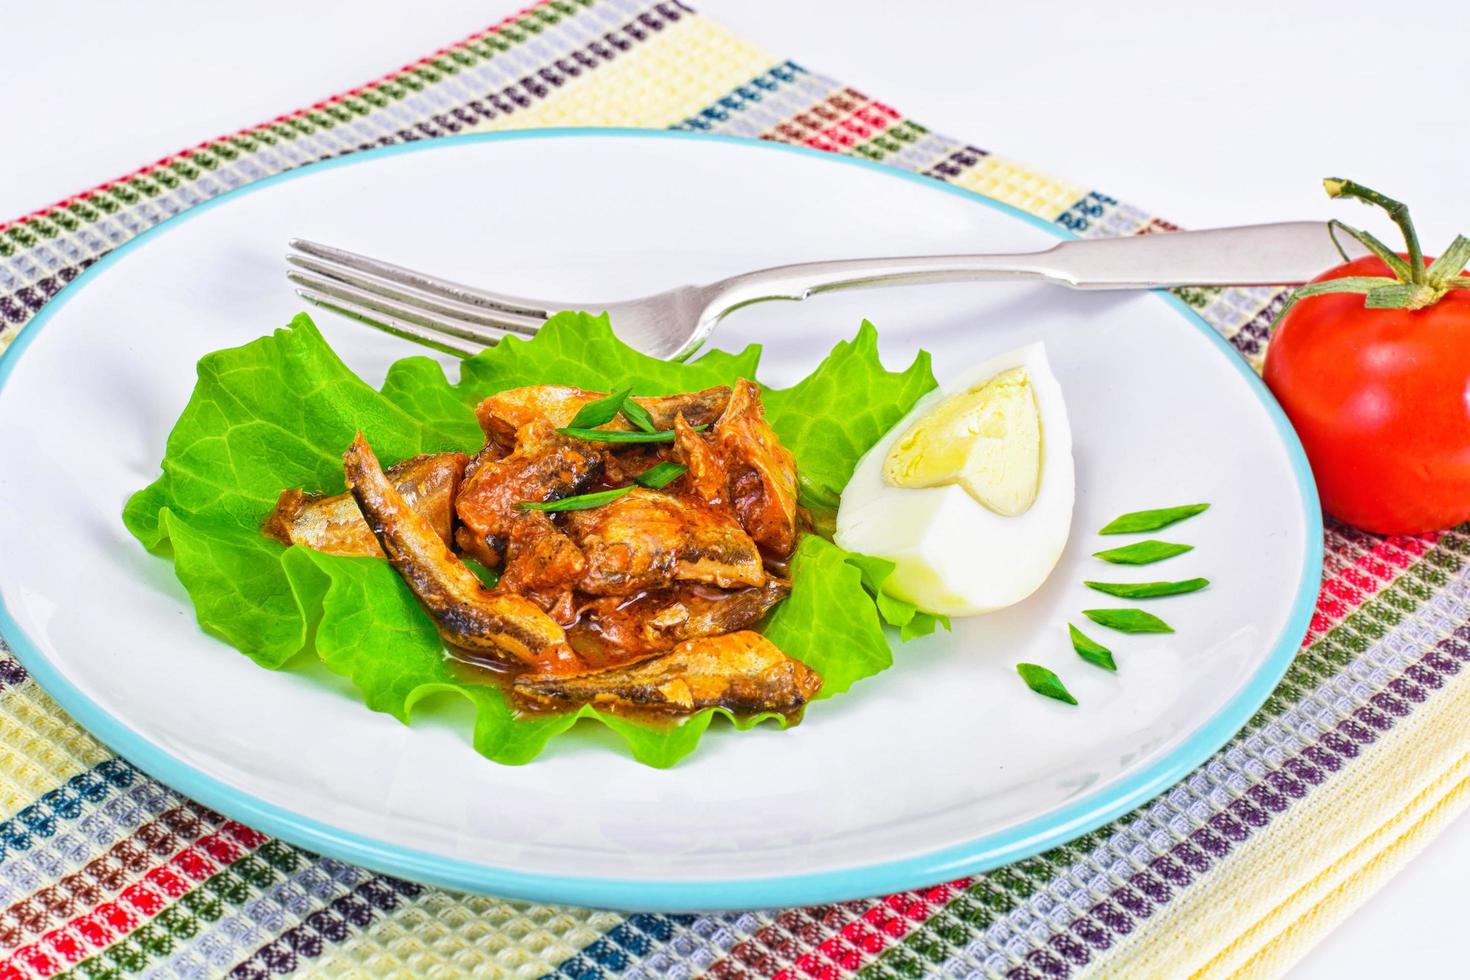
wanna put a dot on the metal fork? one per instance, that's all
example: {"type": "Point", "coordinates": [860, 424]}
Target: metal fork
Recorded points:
{"type": "Point", "coordinates": [463, 320]}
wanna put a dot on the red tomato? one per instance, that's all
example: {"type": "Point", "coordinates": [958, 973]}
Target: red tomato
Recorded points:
{"type": "Point", "coordinates": [1381, 400]}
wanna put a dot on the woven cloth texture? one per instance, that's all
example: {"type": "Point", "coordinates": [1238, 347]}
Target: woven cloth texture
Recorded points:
{"type": "Point", "coordinates": [1354, 762]}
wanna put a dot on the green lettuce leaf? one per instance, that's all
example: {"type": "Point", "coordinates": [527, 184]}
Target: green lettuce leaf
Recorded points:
{"type": "Point", "coordinates": [837, 412]}
{"type": "Point", "coordinates": [278, 412]}
{"type": "Point", "coordinates": [577, 349]}
{"type": "Point", "coordinates": [912, 622]}
{"type": "Point", "coordinates": [830, 618]}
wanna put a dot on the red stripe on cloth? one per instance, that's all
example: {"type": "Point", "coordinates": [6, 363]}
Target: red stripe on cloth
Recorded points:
{"type": "Point", "coordinates": [880, 927]}
{"type": "Point", "coordinates": [102, 877]}
{"type": "Point", "coordinates": [108, 922]}
{"type": "Point", "coordinates": [862, 123]}
{"type": "Point", "coordinates": [1362, 577]}
{"type": "Point", "coordinates": [787, 948]}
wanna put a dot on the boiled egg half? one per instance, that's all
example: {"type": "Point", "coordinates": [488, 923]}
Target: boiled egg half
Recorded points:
{"type": "Point", "coordinates": [969, 495]}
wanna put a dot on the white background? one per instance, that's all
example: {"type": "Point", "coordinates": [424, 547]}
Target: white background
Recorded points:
{"type": "Point", "coordinates": [1204, 114]}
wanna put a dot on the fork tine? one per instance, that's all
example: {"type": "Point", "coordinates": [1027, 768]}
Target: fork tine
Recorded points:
{"type": "Point", "coordinates": [418, 299]}
{"type": "Point", "coordinates": [436, 322]}
{"type": "Point", "coordinates": [425, 283]}
{"type": "Point", "coordinates": [386, 323]}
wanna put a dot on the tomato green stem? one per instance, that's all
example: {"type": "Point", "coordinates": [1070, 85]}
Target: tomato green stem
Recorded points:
{"type": "Point", "coordinates": [1397, 210]}
{"type": "Point", "coordinates": [1369, 241]}
{"type": "Point", "coordinates": [1411, 285]}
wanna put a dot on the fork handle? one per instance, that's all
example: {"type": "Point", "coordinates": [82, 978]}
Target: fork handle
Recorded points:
{"type": "Point", "coordinates": [805, 279]}
{"type": "Point", "coordinates": [1286, 253]}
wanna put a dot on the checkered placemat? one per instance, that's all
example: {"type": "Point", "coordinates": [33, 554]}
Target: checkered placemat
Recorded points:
{"type": "Point", "coordinates": [1355, 760]}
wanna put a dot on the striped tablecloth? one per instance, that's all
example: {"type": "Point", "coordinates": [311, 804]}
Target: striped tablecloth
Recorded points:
{"type": "Point", "coordinates": [1357, 758]}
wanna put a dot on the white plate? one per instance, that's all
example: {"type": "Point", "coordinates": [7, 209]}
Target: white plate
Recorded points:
{"type": "Point", "coordinates": [942, 766]}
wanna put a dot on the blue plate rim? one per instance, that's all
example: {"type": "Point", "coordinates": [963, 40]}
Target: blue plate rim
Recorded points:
{"type": "Point", "coordinates": [983, 853]}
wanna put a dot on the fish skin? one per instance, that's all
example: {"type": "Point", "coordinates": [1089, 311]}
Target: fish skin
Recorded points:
{"type": "Point", "coordinates": [467, 615]}
{"type": "Point", "coordinates": [697, 407]}
{"type": "Point", "coordinates": [742, 672]}
{"type": "Point", "coordinates": [334, 525]}
{"type": "Point", "coordinates": [625, 629]}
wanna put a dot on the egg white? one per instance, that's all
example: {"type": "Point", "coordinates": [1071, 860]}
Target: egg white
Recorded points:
{"type": "Point", "coordinates": [953, 555]}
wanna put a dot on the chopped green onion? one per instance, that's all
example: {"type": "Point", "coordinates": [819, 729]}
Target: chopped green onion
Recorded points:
{"type": "Point", "coordinates": [612, 435]}
{"type": "Point", "coordinates": [660, 475]}
{"type": "Point", "coordinates": [1090, 650]}
{"type": "Point", "coordinates": [600, 412]}
{"type": "Point", "coordinates": [656, 477]}
{"type": "Point", "coordinates": [585, 501]}
{"type": "Point", "coordinates": [489, 576]}
{"type": "Point", "coordinates": [638, 415]}
{"type": "Point", "coordinates": [1148, 590]}
{"type": "Point", "coordinates": [1128, 620]}
{"type": "Point", "coordinates": [1044, 682]}
{"type": "Point", "coordinates": [1152, 520]}
{"type": "Point", "coordinates": [1143, 552]}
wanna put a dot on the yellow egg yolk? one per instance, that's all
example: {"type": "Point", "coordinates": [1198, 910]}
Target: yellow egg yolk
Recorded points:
{"type": "Point", "coordinates": [987, 440]}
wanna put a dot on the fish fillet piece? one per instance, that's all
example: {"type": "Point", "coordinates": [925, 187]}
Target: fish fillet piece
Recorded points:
{"type": "Point", "coordinates": [616, 628]}
{"type": "Point", "coordinates": [742, 671]}
{"type": "Point", "coordinates": [543, 466]}
{"type": "Point", "coordinates": [707, 477]}
{"type": "Point", "coordinates": [503, 414]}
{"type": "Point", "coordinates": [762, 471]}
{"type": "Point", "coordinates": [468, 616]}
{"type": "Point", "coordinates": [334, 524]}
{"type": "Point", "coordinates": [698, 407]}
{"type": "Point", "coordinates": [649, 540]}
{"type": "Point", "coordinates": [543, 564]}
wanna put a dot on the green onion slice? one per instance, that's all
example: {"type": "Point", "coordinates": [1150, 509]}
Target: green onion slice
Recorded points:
{"type": "Point", "coordinates": [1152, 520]}
{"type": "Point", "coordinates": [1128, 620]}
{"type": "Point", "coordinates": [612, 435]}
{"type": "Point", "coordinates": [638, 415]}
{"type": "Point", "coordinates": [585, 501]}
{"type": "Point", "coordinates": [1044, 682]}
{"type": "Point", "coordinates": [660, 475]}
{"type": "Point", "coordinates": [1148, 590]}
{"type": "Point", "coordinates": [1090, 650]}
{"type": "Point", "coordinates": [1143, 552]}
{"type": "Point", "coordinates": [600, 412]}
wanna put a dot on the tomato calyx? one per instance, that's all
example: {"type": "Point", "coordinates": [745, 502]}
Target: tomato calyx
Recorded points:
{"type": "Point", "coordinates": [1414, 284]}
